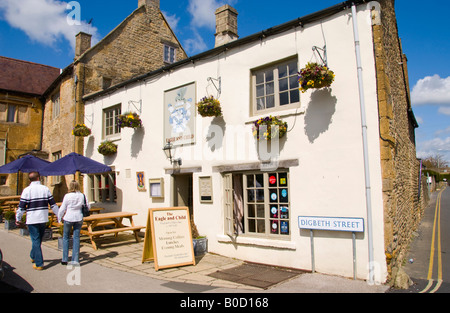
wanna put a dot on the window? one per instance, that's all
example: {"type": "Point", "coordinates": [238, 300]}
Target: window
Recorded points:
{"type": "Point", "coordinates": [258, 204]}
{"type": "Point", "coordinates": [110, 121]}
{"type": "Point", "coordinates": [56, 107]}
{"type": "Point", "coordinates": [102, 187]}
{"type": "Point", "coordinates": [13, 113]}
{"type": "Point", "coordinates": [169, 54]}
{"type": "Point", "coordinates": [55, 157]}
{"type": "Point", "coordinates": [275, 87]}
{"type": "Point", "coordinates": [2, 152]}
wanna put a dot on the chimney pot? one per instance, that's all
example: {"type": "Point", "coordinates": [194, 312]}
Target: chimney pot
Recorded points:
{"type": "Point", "coordinates": [82, 43]}
{"type": "Point", "coordinates": [226, 25]}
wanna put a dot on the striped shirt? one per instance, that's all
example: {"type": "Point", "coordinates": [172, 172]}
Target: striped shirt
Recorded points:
{"type": "Point", "coordinates": [34, 202]}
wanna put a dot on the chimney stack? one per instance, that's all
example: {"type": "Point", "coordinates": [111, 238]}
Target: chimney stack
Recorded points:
{"type": "Point", "coordinates": [226, 25]}
{"type": "Point", "coordinates": [82, 43]}
{"type": "Point", "coordinates": [154, 3]}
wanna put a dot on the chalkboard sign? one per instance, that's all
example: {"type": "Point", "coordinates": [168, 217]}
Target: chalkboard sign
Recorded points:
{"type": "Point", "coordinates": [168, 238]}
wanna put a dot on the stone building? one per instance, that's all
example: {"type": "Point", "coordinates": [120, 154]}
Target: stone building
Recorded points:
{"type": "Point", "coordinates": [22, 85]}
{"type": "Point", "coordinates": [143, 42]}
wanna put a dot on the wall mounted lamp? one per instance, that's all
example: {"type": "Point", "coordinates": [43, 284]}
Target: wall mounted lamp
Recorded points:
{"type": "Point", "coordinates": [168, 151]}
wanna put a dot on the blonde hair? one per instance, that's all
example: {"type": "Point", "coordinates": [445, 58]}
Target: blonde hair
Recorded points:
{"type": "Point", "coordinates": [74, 186]}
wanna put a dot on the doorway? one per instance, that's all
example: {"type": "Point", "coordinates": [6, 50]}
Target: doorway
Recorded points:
{"type": "Point", "coordinates": [183, 192]}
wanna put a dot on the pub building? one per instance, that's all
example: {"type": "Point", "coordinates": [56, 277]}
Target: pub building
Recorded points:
{"type": "Point", "coordinates": [245, 185]}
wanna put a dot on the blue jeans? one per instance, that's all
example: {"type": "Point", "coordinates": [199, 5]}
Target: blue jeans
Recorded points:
{"type": "Point", "coordinates": [36, 234]}
{"type": "Point", "coordinates": [76, 241]}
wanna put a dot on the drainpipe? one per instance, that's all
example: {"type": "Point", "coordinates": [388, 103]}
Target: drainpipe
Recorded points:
{"type": "Point", "coordinates": [365, 144]}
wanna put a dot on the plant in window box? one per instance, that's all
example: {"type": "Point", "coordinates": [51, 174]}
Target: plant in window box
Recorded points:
{"type": "Point", "coordinates": [107, 148]}
{"type": "Point", "coordinates": [208, 107]}
{"type": "Point", "coordinates": [315, 76]}
{"type": "Point", "coordinates": [81, 130]}
{"type": "Point", "coordinates": [200, 242]}
{"type": "Point", "coordinates": [270, 127]}
{"type": "Point", "coordinates": [131, 120]}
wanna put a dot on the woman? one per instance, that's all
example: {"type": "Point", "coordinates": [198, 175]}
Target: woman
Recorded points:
{"type": "Point", "coordinates": [71, 212]}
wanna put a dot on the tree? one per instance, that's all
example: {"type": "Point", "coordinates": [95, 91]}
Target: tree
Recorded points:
{"type": "Point", "coordinates": [436, 161]}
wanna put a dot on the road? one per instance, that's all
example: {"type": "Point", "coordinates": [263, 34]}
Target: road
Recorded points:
{"type": "Point", "coordinates": [429, 256]}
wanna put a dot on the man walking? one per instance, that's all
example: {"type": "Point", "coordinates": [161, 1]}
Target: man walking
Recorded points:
{"type": "Point", "coordinates": [34, 201]}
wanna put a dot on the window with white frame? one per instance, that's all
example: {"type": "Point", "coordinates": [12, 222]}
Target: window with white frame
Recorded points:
{"type": "Point", "coordinates": [2, 152]}
{"type": "Point", "coordinates": [110, 121]}
{"type": "Point", "coordinates": [275, 87]}
{"type": "Point", "coordinates": [102, 187]}
{"type": "Point", "coordinates": [56, 105]}
{"type": "Point", "coordinates": [55, 157]}
{"type": "Point", "coordinates": [169, 54]}
{"type": "Point", "coordinates": [258, 204]}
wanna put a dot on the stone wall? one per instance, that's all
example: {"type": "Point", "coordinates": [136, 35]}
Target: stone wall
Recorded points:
{"type": "Point", "coordinates": [135, 47]}
{"type": "Point", "coordinates": [400, 168]}
{"type": "Point", "coordinates": [22, 137]}
{"type": "Point", "coordinates": [58, 131]}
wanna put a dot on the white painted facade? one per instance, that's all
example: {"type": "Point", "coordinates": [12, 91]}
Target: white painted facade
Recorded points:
{"type": "Point", "coordinates": [323, 148]}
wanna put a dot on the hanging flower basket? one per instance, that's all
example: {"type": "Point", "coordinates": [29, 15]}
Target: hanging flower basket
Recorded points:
{"type": "Point", "coordinates": [315, 76]}
{"type": "Point", "coordinates": [107, 148]}
{"type": "Point", "coordinates": [81, 130]}
{"type": "Point", "coordinates": [131, 120]}
{"type": "Point", "coordinates": [279, 127]}
{"type": "Point", "coordinates": [208, 106]}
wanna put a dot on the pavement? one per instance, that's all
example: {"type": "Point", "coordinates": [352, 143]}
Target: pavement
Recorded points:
{"type": "Point", "coordinates": [116, 267]}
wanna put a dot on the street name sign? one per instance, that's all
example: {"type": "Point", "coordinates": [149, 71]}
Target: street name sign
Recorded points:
{"type": "Point", "coordinates": [354, 225]}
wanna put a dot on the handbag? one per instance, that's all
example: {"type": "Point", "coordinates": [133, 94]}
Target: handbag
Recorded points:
{"type": "Point", "coordinates": [85, 208]}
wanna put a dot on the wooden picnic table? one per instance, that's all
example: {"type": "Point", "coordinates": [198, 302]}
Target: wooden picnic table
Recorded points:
{"type": "Point", "coordinates": [109, 219]}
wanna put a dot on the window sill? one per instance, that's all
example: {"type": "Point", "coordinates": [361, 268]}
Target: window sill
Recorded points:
{"type": "Point", "coordinates": [261, 242]}
{"type": "Point", "coordinates": [280, 114]}
{"type": "Point", "coordinates": [113, 138]}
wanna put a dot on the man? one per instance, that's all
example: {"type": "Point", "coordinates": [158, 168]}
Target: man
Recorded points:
{"type": "Point", "coordinates": [34, 201]}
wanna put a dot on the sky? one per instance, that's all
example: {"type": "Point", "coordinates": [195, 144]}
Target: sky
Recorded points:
{"type": "Point", "coordinates": [43, 31]}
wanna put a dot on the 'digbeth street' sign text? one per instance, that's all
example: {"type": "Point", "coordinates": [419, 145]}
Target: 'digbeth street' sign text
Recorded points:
{"type": "Point", "coordinates": [355, 225]}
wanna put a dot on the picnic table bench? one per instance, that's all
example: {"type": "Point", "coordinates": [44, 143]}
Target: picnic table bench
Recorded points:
{"type": "Point", "coordinates": [114, 219]}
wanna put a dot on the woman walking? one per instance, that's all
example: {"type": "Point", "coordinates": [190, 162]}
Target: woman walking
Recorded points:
{"type": "Point", "coordinates": [72, 215]}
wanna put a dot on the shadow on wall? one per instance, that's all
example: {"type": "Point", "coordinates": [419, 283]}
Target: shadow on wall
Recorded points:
{"type": "Point", "coordinates": [137, 141]}
{"type": "Point", "coordinates": [319, 114]}
{"type": "Point", "coordinates": [216, 133]}
{"type": "Point", "coordinates": [89, 147]}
